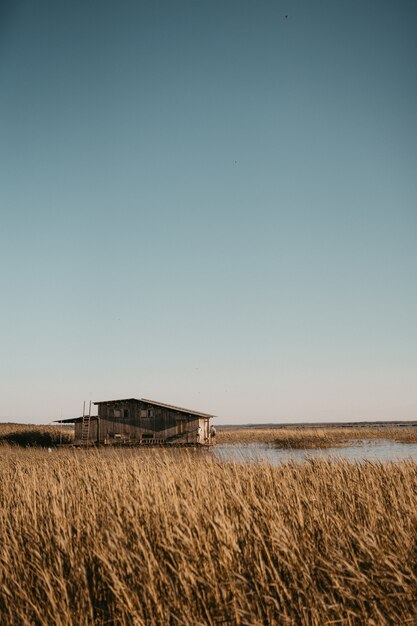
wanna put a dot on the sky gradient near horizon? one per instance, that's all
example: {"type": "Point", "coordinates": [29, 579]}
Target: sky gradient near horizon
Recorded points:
{"type": "Point", "coordinates": [212, 204]}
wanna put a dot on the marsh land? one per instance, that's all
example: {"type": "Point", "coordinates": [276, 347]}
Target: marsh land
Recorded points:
{"type": "Point", "coordinates": [173, 537]}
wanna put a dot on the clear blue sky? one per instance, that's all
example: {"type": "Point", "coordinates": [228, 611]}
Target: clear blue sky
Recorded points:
{"type": "Point", "coordinates": [210, 204]}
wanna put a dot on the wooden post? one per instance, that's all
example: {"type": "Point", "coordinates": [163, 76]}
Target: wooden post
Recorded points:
{"type": "Point", "coordinates": [98, 426]}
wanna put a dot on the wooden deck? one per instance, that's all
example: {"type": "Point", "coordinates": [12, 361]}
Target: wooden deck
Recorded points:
{"type": "Point", "coordinates": [138, 444]}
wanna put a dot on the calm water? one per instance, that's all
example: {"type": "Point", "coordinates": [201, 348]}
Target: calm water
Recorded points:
{"type": "Point", "coordinates": [365, 450]}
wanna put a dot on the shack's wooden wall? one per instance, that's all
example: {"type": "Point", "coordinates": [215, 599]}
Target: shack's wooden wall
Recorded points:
{"type": "Point", "coordinates": [125, 421]}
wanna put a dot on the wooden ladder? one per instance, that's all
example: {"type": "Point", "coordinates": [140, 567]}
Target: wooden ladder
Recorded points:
{"type": "Point", "coordinates": [85, 426]}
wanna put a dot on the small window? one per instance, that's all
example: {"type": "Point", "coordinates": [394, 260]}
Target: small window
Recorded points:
{"type": "Point", "coordinates": [125, 412]}
{"type": "Point", "coordinates": [117, 413]}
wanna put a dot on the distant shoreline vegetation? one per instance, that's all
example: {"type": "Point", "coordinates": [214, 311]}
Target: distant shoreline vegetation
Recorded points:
{"type": "Point", "coordinates": [31, 435]}
{"type": "Point", "coordinates": [307, 438]}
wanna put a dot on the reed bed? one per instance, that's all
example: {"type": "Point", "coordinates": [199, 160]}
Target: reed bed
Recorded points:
{"type": "Point", "coordinates": [33, 435]}
{"type": "Point", "coordinates": [313, 437]}
{"type": "Point", "coordinates": [173, 538]}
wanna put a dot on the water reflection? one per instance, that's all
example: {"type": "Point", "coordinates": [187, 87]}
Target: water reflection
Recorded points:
{"type": "Point", "coordinates": [362, 450]}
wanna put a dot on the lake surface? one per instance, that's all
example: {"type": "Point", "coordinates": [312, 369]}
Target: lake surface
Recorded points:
{"type": "Point", "coordinates": [362, 450]}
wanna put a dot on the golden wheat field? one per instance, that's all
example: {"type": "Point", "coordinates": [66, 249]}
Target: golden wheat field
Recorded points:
{"type": "Point", "coordinates": [151, 537]}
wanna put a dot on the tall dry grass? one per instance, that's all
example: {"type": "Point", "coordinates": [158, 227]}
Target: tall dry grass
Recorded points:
{"type": "Point", "coordinates": [313, 437]}
{"type": "Point", "coordinates": [168, 538]}
{"type": "Point", "coordinates": [34, 435]}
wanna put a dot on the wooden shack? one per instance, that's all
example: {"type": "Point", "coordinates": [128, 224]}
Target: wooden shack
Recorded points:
{"type": "Point", "coordinates": [133, 421]}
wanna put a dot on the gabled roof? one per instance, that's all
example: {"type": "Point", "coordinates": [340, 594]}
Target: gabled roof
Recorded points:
{"type": "Point", "coordinates": [177, 408]}
{"type": "Point", "coordinates": [161, 404]}
{"type": "Point", "coordinates": [121, 400]}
